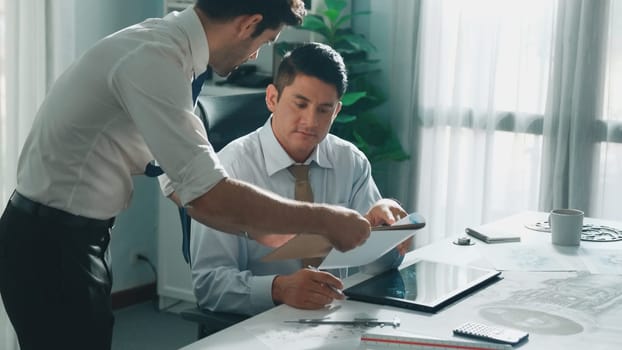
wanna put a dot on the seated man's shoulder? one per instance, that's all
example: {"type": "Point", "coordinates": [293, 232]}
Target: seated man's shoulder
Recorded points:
{"type": "Point", "coordinates": [344, 147]}
{"type": "Point", "coordinates": [238, 147]}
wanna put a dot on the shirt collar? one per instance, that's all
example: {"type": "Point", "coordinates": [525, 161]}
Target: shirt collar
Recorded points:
{"type": "Point", "coordinates": [189, 22]}
{"type": "Point", "coordinates": [275, 157]}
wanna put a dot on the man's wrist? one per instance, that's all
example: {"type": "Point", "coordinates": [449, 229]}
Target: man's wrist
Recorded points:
{"type": "Point", "coordinates": [276, 291]}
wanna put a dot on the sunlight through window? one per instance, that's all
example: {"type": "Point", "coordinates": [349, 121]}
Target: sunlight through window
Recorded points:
{"type": "Point", "coordinates": [613, 82]}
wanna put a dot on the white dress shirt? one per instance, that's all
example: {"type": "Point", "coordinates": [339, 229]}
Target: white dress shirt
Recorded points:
{"type": "Point", "coordinates": [123, 103]}
{"type": "Point", "coordinates": [227, 271]}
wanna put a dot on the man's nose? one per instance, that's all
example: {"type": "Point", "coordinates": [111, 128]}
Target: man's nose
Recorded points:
{"type": "Point", "coordinates": [310, 117]}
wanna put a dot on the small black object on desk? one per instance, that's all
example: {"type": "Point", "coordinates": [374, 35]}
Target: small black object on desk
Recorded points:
{"type": "Point", "coordinates": [463, 241]}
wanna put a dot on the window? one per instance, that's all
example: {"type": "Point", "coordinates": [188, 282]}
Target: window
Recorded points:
{"type": "Point", "coordinates": [513, 112]}
{"type": "Point", "coordinates": [608, 188]}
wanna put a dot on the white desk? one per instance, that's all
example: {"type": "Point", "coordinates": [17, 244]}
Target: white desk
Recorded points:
{"type": "Point", "coordinates": [560, 309]}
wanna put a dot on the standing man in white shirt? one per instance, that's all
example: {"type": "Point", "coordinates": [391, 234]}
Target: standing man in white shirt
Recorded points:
{"type": "Point", "coordinates": [227, 271]}
{"type": "Point", "coordinates": [123, 103]}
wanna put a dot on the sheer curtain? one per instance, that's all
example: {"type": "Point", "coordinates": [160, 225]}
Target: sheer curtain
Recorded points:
{"type": "Point", "coordinates": [481, 88]}
{"type": "Point", "coordinates": [574, 105]}
{"type": "Point", "coordinates": [36, 44]}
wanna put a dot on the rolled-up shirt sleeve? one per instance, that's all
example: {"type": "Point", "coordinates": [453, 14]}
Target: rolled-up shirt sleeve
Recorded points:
{"type": "Point", "coordinates": [163, 113]}
{"type": "Point", "coordinates": [165, 185]}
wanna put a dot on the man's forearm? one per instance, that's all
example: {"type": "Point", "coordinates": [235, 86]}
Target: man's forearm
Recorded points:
{"type": "Point", "coordinates": [233, 206]}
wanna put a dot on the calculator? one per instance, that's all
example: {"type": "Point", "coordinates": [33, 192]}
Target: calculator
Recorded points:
{"type": "Point", "coordinates": [492, 333]}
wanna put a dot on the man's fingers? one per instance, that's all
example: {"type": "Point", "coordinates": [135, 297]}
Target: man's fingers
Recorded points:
{"type": "Point", "coordinates": [389, 216]}
{"type": "Point", "coordinates": [399, 212]}
{"type": "Point", "coordinates": [316, 298]}
{"type": "Point", "coordinates": [323, 277]}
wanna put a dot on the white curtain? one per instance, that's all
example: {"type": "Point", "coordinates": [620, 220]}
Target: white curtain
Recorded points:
{"type": "Point", "coordinates": [574, 104]}
{"type": "Point", "coordinates": [476, 88]}
{"type": "Point", "coordinates": [37, 43]}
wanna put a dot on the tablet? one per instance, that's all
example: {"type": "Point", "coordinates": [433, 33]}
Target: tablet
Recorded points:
{"type": "Point", "coordinates": [424, 286]}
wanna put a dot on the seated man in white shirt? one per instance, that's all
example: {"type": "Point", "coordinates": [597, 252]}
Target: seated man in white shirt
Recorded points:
{"type": "Point", "coordinates": [227, 271]}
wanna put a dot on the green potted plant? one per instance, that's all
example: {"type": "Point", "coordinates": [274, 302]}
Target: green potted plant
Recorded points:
{"type": "Point", "coordinates": [357, 122]}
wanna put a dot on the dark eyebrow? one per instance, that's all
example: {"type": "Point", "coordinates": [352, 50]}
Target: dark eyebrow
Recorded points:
{"type": "Point", "coordinates": [302, 97]}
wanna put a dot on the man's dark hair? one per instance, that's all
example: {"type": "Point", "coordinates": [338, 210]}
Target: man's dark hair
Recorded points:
{"type": "Point", "coordinates": [315, 60]}
{"type": "Point", "coordinates": [275, 12]}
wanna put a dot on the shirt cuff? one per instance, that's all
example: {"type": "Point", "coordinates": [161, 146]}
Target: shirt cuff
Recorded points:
{"type": "Point", "coordinates": [166, 186]}
{"type": "Point", "coordinates": [198, 177]}
{"type": "Point", "coordinates": [261, 293]}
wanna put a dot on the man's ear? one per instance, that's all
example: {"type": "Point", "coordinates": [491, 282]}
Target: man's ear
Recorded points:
{"type": "Point", "coordinates": [246, 25]}
{"type": "Point", "coordinates": [337, 110]}
{"type": "Point", "coordinates": [272, 97]}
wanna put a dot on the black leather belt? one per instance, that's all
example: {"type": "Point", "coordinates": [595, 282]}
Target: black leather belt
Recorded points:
{"type": "Point", "coordinates": [37, 209]}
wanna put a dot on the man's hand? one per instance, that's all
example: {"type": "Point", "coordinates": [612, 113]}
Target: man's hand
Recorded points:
{"type": "Point", "coordinates": [306, 289]}
{"type": "Point", "coordinates": [347, 229]}
{"type": "Point", "coordinates": [385, 211]}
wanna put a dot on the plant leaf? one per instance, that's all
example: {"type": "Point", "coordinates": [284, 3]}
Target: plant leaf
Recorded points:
{"type": "Point", "coordinates": [358, 41]}
{"type": "Point", "coordinates": [360, 142]}
{"type": "Point", "coordinates": [337, 5]}
{"type": "Point", "coordinates": [342, 20]}
{"type": "Point", "coordinates": [315, 23]}
{"type": "Point", "coordinates": [346, 18]}
{"type": "Point", "coordinates": [343, 118]}
{"type": "Point", "coordinates": [332, 16]}
{"type": "Point", "coordinates": [350, 98]}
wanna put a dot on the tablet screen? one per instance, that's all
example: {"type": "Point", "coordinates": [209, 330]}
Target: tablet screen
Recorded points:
{"type": "Point", "coordinates": [424, 285]}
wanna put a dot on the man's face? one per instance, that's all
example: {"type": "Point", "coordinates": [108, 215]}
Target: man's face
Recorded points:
{"type": "Point", "coordinates": [236, 52]}
{"type": "Point", "coordinates": [303, 114]}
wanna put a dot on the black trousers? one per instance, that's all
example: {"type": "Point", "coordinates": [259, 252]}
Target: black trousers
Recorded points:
{"type": "Point", "coordinates": [55, 282]}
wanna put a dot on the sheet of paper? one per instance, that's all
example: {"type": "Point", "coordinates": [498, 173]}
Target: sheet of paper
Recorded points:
{"type": "Point", "coordinates": [378, 243]}
{"type": "Point", "coordinates": [523, 257]}
{"type": "Point", "coordinates": [602, 261]}
{"type": "Point", "coordinates": [299, 247]}
{"type": "Point", "coordinates": [311, 246]}
{"type": "Point", "coordinates": [275, 336]}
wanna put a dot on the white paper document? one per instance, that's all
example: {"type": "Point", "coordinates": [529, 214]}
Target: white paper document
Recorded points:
{"type": "Point", "coordinates": [516, 257]}
{"type": "Point", "coordinates": [378, 244]}
{"type": "Point", "coordinates": [602, 261]}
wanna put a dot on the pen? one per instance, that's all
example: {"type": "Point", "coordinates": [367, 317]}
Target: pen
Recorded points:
{"type": "Point", "coordinates": [363, 322]}
{"type": "Point", "coordinates": [334, 289]}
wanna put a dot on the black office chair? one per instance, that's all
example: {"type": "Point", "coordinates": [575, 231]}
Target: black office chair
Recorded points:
{"type": "Point", "coordinates": [226, 118]}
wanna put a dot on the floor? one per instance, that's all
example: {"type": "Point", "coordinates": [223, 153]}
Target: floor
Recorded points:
{"type": "Point", "coordinates": [142, 326]}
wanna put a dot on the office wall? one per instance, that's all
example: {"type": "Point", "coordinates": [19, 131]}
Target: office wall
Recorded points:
{"type": "Point", "coordinates": [375, 27]}
{"type": "Point", "coordinates": [135, 229]}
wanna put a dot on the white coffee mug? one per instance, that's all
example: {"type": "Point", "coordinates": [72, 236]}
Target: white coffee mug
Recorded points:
{"type": "Point", "coordinates": [566, 226]}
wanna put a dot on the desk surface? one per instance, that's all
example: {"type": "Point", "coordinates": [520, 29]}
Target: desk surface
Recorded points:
{"type": "Point", "coordinates": [567, 307]}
